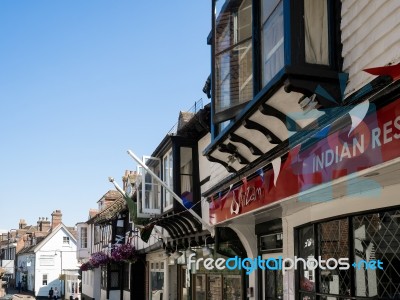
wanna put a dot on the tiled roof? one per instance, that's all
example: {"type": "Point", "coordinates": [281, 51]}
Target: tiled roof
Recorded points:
{"type": "Point", "coordinates": [109, 212]}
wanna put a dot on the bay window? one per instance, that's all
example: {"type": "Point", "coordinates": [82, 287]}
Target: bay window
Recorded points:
{"type": "Point", "coordinates": [259, 45]}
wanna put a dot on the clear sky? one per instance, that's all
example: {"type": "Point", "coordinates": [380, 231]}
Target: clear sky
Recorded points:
{"type": "Point", "coordinates": [81, 82]}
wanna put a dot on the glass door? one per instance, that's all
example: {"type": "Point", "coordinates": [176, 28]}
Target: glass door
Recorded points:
{"type": "Point", "coordinates": [272, 280]}
{"type": "Point", "coordinates": [214, 287]}
{"type": "Point", "coordinates": [200, 289]}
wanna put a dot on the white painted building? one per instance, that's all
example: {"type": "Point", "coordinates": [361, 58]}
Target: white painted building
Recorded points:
{"type": "Point", "coordinates": [50, 263]}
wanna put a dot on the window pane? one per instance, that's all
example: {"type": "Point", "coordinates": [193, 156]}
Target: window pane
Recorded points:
{"type": "Point", "coordinates": [377, 237]}
{"type": "Point", "coordinates": [306, 250]}
{"type": "Point", "coordinates": [316, 31]}
{"type": "Point", "coordinates": [114, 279]}
{"type": "Point", "coordinates": [233, 61]}
{"type": "Point", "coordinates": [233, 24]}
{"type": "Point", "coordinates": [151, 187]}
{"type": "Point", "coordinates": [271, 242]}
{"type": "Point", "coordinates": [234, 77]}
{"type": "Point", "coordinates": [272, 39]}
{"type": "Point", "coordinates": [84, 237]}
{"type": "Point", "coordinates": [186, 169]}
{"type": "Point", "coordinates": [232, 287]}
{"type": "Point", "coordinates": [167, 177]}
{"type": "Point", "coordinates": [200, 287]}
{"type": "Point", "coordinates": [215, 287]}
{"type": "Point", "coordinates": [334, 243]}
{"type": "Point", "coordinates": [273, 284]}
{"type": "Point", "coordinates": [157, 284]}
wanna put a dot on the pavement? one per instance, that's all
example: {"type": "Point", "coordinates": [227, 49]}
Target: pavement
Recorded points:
{"type": "Point", "coordinates": [15, 295]}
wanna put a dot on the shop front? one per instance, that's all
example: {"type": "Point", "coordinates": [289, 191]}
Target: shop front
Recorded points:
{"type": "Point", "coordinates": [211, 282]}
{"type": "Point", "coordinates": [334, 196]}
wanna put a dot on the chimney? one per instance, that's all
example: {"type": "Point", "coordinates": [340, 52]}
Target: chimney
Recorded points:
{"type": "Point", "coordinates": [45, 225]}
{"type": "Point", "coordinates": [22, 223]}
{"type": "Point", "coordinates": [39, 224]}
{"type": "Point", "coordinates": [56, 218]}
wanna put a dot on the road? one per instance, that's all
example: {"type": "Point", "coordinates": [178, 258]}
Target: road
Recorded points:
{"type": "Point", "coordinates": [15, 295]}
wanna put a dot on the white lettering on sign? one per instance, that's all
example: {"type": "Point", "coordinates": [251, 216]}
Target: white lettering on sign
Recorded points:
{"type": "Point", "coordinates": [245, 198]}
{"type": "Point", "coordinates": [389, 132]}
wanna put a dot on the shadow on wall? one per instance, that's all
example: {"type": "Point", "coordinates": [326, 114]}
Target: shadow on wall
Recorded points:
{"type": "Point", "coordinates": [43, 291]}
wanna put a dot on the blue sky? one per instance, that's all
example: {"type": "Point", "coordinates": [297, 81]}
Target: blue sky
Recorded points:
{"type": "Point", "coordinates": [81, 82]}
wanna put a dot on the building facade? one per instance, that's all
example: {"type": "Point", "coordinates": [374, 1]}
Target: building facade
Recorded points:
{"type": "Point", "coordinates": [304, 107]}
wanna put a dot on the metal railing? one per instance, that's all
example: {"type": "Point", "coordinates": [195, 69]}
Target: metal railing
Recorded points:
{"type": "Point", "coordinates": [193, 109]}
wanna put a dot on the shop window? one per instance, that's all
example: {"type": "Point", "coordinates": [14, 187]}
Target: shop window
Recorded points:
{"type": "Point", "coordinates": [200, 288]}
{"type": "Point", "coordinates": [306, 251]}
{"type": "Point", "coordinates": [217, 286]}
{"type": "Point", "coordinates": [377, 236]}
{"type": "Point", "coordinates": [156, 280]}
{"type": "Point", "coordinates": [334, 243]}
{"type": "Point", "coordinates": [232, 287]}
{"type": "Point", "coordinates": [361, 239]}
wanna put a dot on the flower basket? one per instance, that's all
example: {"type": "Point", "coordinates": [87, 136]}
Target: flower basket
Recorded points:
{"type": "Point", "coordinates": [86, 266]}
{"type": "Point", "coordinates": [99, 259]}
{"type": "Point", "coordinates": [124, 253]}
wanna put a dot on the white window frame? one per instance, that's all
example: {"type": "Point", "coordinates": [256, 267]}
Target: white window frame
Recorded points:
{"type": "Point", "coordinates": [168, 179]}
{"type": "Point", "coordinates": [45, 277]}
{"type": "Point", "coordinates": [81, 237]}
{"type": "Point", "coordinates": [154, 269]}
{"type": "Point", "coordinates": [142, 211]}
{"type": "Point", "coordinates": [66, 241]}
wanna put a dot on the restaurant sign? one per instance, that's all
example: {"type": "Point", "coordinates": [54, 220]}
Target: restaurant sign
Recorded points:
{"type": "Point", "coordinates": [375, 140]}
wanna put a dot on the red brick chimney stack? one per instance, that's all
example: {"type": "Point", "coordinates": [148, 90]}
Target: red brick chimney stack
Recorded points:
{"type": "Point", "coordinates": [56, 218]}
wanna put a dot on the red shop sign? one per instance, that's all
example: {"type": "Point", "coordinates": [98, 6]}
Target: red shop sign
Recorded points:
{"type": "Point", "coordinates": [374, 141]}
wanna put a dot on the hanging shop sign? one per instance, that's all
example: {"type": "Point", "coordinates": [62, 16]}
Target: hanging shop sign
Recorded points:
{"type": "Point", "coordinates": [368, 142]}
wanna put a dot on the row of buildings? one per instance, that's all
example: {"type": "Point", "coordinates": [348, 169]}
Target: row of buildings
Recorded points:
{"type": "Point", "coordinates": [297, 155]}
{"type": "Point", "coordinates": [36, 258]}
